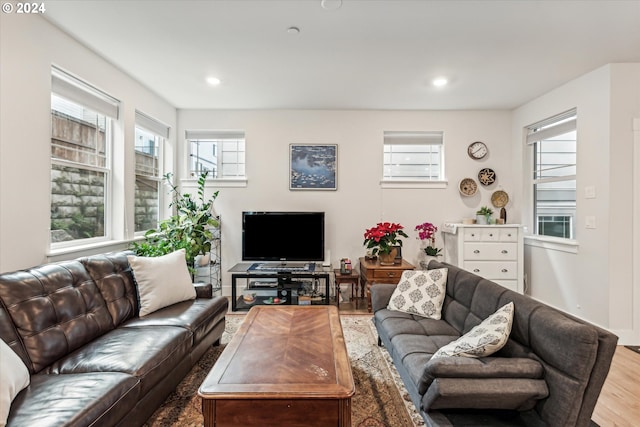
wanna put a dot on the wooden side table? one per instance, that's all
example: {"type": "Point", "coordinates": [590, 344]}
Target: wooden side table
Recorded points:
{"type": "Point", "coordinates": [372, 272]}
{"type": "Point", "coordinates": [353, 278]}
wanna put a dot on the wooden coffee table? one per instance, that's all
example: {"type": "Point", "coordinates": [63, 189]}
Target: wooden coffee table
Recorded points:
{"type": "Point", "coordinates": [285, 366]}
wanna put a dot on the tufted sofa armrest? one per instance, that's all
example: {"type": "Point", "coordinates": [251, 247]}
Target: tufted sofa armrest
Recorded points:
{"type": "Point", "coordinates": [514, 383]}
{"type": "Point", "coordinates": [203, 290]}
{"type": "Point", "coordinates": [380, 295]}
{"type": "Point", "coordinates": [519, 394]}
{"type": "Point", "coordinates": [483, 367]}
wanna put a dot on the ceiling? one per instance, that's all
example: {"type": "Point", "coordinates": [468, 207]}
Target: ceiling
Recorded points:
{"type": "Point", "coordinates": [354, 54]}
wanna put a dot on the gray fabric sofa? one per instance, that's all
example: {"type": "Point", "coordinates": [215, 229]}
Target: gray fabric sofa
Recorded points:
{"type": "Point", "coordinates": [92, 360]}
{"type": "Point", "coordinates": [549, 373]}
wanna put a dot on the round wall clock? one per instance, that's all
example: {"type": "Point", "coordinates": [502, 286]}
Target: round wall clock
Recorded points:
{"type": "Point", "coordinates": [486, 176]}
{"type": "Point", "coordinates": [477, 150]}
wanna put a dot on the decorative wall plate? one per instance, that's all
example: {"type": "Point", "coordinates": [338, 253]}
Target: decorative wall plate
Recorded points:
{"type": "Point", "coordinates": [486, 176]}
{"type": "Point", "coordinates": [468, 187]}
{"type": "Point", "coordinates": [499, 199]}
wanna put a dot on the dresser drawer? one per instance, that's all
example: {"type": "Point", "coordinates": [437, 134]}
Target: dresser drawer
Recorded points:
{"type": "Point", "coordinates": [491, 234]}
{"type": "Point", "coordinates": [509, 284]}
{"type": "Point", "coordinates": [473, 234]}
{"type": "Point", "coordinates": [491, 251]}
{"type": "Point", "coordinates": [387, 274]}
{"type": "Point", "coordinates": [508, 235]}
{"type": "Point", "coordinates": [493, 270]}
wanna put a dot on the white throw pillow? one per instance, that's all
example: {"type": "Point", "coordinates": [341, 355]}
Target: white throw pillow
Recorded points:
{"type": "Point", "coordinates": [484, 339]}
{"type": "Point", "coordinates": [14, 376]}
{"type": "Point", "coordinates": [162, 280]}
{"type": "Point", "coordinates": [420, 292]}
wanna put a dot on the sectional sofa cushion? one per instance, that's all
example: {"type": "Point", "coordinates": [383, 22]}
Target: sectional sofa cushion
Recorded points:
{"type": "Point", "coordinates": [77, 400]}
{"type": "Point", "coordinates": [484, 339]}
{"type": "Point", "coordinates": [55, 308]}
{"type": "Point", "coordinates": [162, 280]}
{"type": "Point", "coordinates": [14, 376]}
{"type": "Point", "coordinates": [420, 292]}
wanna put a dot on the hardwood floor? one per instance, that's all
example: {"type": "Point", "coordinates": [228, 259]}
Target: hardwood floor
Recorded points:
{"type": "Point", "coordinates": [619, 401]}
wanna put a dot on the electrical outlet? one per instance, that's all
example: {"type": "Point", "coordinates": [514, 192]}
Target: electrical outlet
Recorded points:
{"type": "Point", "coordinates": [590, 192]}
{"type": "Point", "coordinates": [590, 222]}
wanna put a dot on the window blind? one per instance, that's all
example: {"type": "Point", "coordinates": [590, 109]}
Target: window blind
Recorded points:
{"type": "Point", "coordinates": [553, 126]}
{"type": "Point", "coordinates": [419, 137]}
{"type": "Point", "coordinates": [152, 125]}
{"type": "Point", "coordinates": [74, 89]}
{"type": "Point", "coordinates": [213, 134]}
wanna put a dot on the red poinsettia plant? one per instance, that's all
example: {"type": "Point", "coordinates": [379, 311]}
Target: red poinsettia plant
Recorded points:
{"type": "Point", "coordinates": [427, 231]}
{"type": "Point", "coordinates": [383, 237]}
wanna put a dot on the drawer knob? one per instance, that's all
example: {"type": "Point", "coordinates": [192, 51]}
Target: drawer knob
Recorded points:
{"type": "Point", "coordinates": [477, 251]}
{"type": "Point", "coordinates": [504, 251]}
{"type": "Point", "coordinates": [490, 234]}
{"type": "Point", "coordinates": [504, 270]}
{"type": "Point", "coordinates": [473, 235]}
{"type": "Point", "coordinates": [476, 270]}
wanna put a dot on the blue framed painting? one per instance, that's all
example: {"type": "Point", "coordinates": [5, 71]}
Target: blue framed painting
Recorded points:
{"type": "Point", "coordinates": [313, 167]}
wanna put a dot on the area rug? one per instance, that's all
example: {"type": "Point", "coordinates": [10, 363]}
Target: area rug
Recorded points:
{"type": "Point", "coordinates": [380, 400]}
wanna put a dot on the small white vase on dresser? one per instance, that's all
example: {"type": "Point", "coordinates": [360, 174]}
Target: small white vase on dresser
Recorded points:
{"type": "Point", "coordinates": [494, 252]}
{"type": "Point", "coordinates": [426, 259]}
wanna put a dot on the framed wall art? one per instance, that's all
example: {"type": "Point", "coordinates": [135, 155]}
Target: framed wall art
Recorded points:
{"type": "Point", "coordinates": [313, 167]}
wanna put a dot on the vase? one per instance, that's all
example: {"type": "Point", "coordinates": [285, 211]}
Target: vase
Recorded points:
{"type": "Point", "coordinates": [424, 263]}
{"type": "Point", "coordinates": [481, 219]}
{"type": "Point", "coordinates": [388, 259]}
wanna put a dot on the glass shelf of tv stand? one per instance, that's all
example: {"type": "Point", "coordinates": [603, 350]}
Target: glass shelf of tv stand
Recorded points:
{"type": "Point", "coordinates": [284, 284]}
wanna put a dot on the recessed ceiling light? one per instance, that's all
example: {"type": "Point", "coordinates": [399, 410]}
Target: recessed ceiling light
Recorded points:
{"type": "Point", "coordinates": [331, 4]}
{"type": "Point", "coordinates": [213, 81]}
{"type": "Point", "coordinates": [440, 81]}
{"type": "Point", "coordinates": [293, 30]}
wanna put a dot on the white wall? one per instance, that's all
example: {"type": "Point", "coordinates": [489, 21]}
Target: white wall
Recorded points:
{"type": "Point", "coordinates": [29, 46]}
{"type": "Point", "coordinates": [359, 202]}
{"type": "Point", "coordinates": [594, 281]}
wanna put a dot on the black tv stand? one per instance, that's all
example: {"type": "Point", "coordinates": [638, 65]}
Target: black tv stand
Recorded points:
{"type": "Point", "coordinates": [287, 285]}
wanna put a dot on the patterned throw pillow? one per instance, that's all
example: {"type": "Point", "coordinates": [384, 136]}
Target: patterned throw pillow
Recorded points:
{"type": "Point", "coordinates": [420, 292]}
{"type": "Point", "coordinates": [484, 339]}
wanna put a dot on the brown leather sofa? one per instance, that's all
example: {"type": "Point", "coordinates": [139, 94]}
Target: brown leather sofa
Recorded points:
{"type": "Point", "coordinates": [93, 361]}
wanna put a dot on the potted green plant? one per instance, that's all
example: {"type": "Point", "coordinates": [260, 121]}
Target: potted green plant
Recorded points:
{"type": "Point", "coordinates": [190, 228]}
{"type": "Point", "coordinates": [382, 239]}
{"type": "Point", "coordinates": [483, 215]}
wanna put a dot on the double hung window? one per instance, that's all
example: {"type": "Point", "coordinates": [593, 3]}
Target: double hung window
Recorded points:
{"type": "Point", "coordinates": [222, 153]}
{"type": "Point", "coordinates": [150, 135]}
{"type": "Point", "coordinates": [81, 142]}
{"type": "Point", "coordinates": [413, 156]}
{"type": "Point", "coordinates": [554, 144]}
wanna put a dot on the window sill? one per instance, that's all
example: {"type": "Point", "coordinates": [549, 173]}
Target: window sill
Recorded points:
{"type": "Point", "coordinates": [552, 243]}
{"type": "Point", "coordinates": [217, 182]}
{"type": "Point", "coordinates": [396, 183]}
{"type": "Point", "coordinates": [64, 253]}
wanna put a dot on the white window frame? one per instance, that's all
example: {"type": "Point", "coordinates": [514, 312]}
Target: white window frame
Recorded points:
{"type": "Point", "coordinates": [426, 140]}
{"type": "Point", "coordinates": [547, 129]}
{"type": "Point", "coordinates": [67, 86]}
{"type": "Point", "coordinates": [219, 137]}
{"type": "Point", "coordinates": [161, 133]}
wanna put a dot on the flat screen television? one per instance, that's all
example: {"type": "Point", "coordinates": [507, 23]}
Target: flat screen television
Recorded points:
{"type": "Point", "coordinates": [283, 236]}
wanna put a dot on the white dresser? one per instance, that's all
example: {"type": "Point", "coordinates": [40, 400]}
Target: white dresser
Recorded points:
{"type": "Point", "coordinates": [494, 252]}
